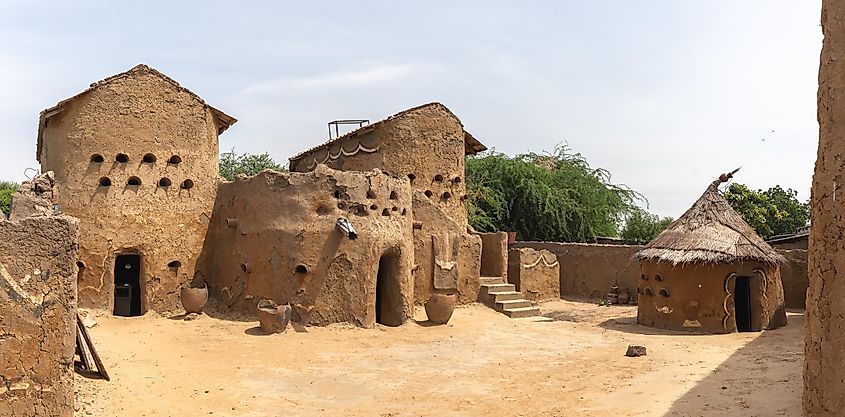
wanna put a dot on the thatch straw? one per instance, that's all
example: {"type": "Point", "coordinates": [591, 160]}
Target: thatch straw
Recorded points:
{"type": "Point", "coordinates": [709, 232]}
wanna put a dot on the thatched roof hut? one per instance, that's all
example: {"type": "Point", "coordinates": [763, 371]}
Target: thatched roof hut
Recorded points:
{"type": "Point", "coordinates": [709, 232]}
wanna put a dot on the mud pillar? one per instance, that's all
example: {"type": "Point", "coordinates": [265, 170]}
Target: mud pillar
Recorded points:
{"type": "Point", "coordinates": [824, 364]}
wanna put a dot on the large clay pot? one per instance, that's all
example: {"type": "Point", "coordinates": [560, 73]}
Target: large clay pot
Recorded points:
{"type": "Point", "coordinates": [273, 317]}
{"type": "Point", "coordinates": [439, 308]}
{"type": "Point", "coordinates": [194, 298]}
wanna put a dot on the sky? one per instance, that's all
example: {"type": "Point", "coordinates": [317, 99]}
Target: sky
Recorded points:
{"type": "Point", "coordinates": [665, 95]}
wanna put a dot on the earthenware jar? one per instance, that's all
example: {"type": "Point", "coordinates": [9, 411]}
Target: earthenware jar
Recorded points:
{"type": "Point", "coordinates": [273, 317]}
{"type": "Point", "coordinates": [439, 308]}
{"type": "Point", "coordinates": [194, 298]}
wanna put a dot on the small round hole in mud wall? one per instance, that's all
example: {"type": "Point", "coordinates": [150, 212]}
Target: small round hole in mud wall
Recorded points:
{"type": "Point", "coordinates": [374, 207]}
{"type": "Point", "coordinates": [336, 194]}
{"type": "Point", "coordinates": [105, 182]}
{"type": "Point", "coordinates": [175, 160]}
{"type": "Point", "coordinates": [149, 158]}
{"type": "Point", "coordinates": [322, 210]}
{"type": "Point", "coordinates": [446, 195]}
{"type": "Point", "coordinates": [394, 208]}
{"type": "Point", "coordinates": [428, 193]}
{"type": "Point", "coordinates": [245, 267]}
{"type": "Point", "coordinates": [301, 269]}
{"type": "Point", "coordinates": [648, 292]}
{"type": "Point", "coordinates": [412, 177]}
{"type": "Point", "coordinates": [664, 292]}
{"type": "Point", "coordinates": [80, 264]}
{"type": "Point", "coordinates": [394, 196]}
{"type": "Point", "coordinates": [133, 181]}
{"type": "Point", "coordinates": [658, 277]}
{"type": "Point", "coordinates": [643, 277]}
{"type": "Point", "coordinates": [371, 194]}
{"type": "Point", "coordinates": [404, 211]}
{"type": "Point", "coordinates": [438, 178]}
{"type": "Point", "coordinates": [385, 212]}
{"type": "Point", "coordinates": [97, 158]}
{"type": "Point", "coordinates": [165, 182]}
{"type": "Point", "coordinates": [457, 180]}
{"type": "Point", "coordinates": [187, 184]}
{"type": "Point", "coordinates": [121, 158]}
{"type": "Point", "coordinates": [175, 264]}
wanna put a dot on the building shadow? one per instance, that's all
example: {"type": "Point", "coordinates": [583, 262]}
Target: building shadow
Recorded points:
{"type": "Point", "coordinates": [762, 378]}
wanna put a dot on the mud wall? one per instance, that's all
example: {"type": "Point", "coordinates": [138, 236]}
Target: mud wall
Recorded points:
{"type": "Point", "coordinates": [136, 115]}
{"type": "Point", "coordinates": [535, 273]}
{"type": "Point", "coordinates": [37, 315]}
{"type": "Point", "coordinates": [589, 270]}
{"type": "Point", "coordinates": [824, 373]}
{"type": "Point", "coordinates": [274, 236]}
{"type": "Point", "coordinates": [699, 298]}
{"type": "Point", "coordinates": [794, 276]}
{"type": "Point", "coordinates": [494, 255]}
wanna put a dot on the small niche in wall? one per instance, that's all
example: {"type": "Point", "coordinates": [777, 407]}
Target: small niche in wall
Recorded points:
{"type": "Point", "coordinates": [385, 212]}
{"type": "Point", "coordinates": [412, 177]}
{"type": "Point", "coordinates": [165, 182]}
{"type": "Point", "coordinates": [643, 277]}
{"type": "Point", "coordinates": [658, 277]}
{"type": "Point", "coordinates": [371, 194]}
{"type": "Point", "coordinates": [457, 180]}
{"type": "Point", "coordinates": [649, 292]}
{"type": "Point", "coordinates": [187, 184]}
{"type": "Point", "coordinates": [149, 159]}
{"type": "Point", "coordinates": [301, 269]}
{"type": "Point", "coordinates": [121, 158]}
{"type": "Point", "coordinates": [394, 196]}
{"type": "Point", "coordinates": [438, 178]}
{"type": "Point", "coordinates": [374, 207]}
{"type": "Point", "coordinates": [174, 160]}
{"type": "Point", "coordinates": [97, 158]}
{"type": "Point", "coordinates": [428, 193]}
{"type": "Point", "coordinates": [174, 265]}
{"type": "Point", "coordinates": [446, 195]}
{"type": "Point", "coordinates": [394, 208]}
{"type": "Point", "coordinates": [133, 181]}
{"type": "Point", "coordinates": [105, 182]}
{"type": "Point", "coordinates": [404, 211]}
{"type": "Point", "coordinates": [664, 292]}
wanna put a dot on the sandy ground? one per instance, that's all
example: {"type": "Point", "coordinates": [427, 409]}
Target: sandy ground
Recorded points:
{"type": "Point", "coordinates": [569, 363]}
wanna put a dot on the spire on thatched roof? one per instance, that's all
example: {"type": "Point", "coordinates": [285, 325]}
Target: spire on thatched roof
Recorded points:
{"type": "Point", "coordinates": [709, 232]}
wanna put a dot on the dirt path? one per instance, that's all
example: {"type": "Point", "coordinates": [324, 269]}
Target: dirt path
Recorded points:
{"type": "Point", "coordinates": [569, 363]}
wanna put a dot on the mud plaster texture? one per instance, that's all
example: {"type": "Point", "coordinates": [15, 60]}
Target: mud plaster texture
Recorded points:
{"type": "Point", "coordinates": [794, 277]}
{"type": "Point", "coordinates": [824, 366]}
{"type": "Point", "coordinates": [33, 197]}
{"type": "Point", "coordinates": [494, 255]}
{"type": "Point", "coordinates": [274, 236]}
{"type": "Point", "coordinates": [427, 145]}
{"type": "Point", "coordinates": [37, 315]}
{"type": "Point", "coordinates": [536, 273]}
{"type": "Point", "coordinates": [589, 270]}
{"type": "Point", "coordinates": [700, 297]}
{"type": "Point", "coordinates": [135, 114]}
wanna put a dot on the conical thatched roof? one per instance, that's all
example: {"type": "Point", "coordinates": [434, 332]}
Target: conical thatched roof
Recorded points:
{"type": "Point", "coordinates": [709, 232]}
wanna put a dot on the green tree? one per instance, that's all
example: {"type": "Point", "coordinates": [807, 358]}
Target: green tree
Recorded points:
{"type": "Point", "coordinates": [641, 226]}
{"type": "Point", "coordinates": [7, 188]}
{"type": "Point", "coordinates": [772, 212]}
{"type": "Point", "coordinates": [232, 164]}
{"type": "Point", "coordinates": [554, 197]}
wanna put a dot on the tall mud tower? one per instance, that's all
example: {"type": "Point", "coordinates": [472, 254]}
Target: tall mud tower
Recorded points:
{"type": "Point", "coordinates": [824, 366]}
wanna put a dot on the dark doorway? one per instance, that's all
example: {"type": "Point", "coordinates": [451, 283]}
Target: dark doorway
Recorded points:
{"type": "Point", "coordinates": [388, 293]}
{"type": "Point", "coordinates": [742, 304]}
{"type": "Point", "coordinates": [127, 285]}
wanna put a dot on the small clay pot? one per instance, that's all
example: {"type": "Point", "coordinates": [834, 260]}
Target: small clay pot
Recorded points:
{"type": "Point", "coordinates": [273, 317]}
{"type": "Point", "coordinates": [194, 298]}
{"type": "Point", "coordinates": [439, 308]}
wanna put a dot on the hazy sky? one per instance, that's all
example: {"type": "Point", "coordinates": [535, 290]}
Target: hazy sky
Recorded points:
{"type": "Point", "coordinates": [663, 94]}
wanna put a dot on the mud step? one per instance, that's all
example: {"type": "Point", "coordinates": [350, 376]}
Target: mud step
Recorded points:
{"type": "Point", "coordinates": [512, 304]}
{"type": "Point", "coordinates": [521, 312]}
{"type": "Point", "coordinates": [504, 295]}
{"type": "Point", "coordinates": [490, 280]}
{"type": "Point", "coordinates": [501, 287]}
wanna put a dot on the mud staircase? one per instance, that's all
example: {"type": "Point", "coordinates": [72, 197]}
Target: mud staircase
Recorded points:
{"type": "Point", "coordinates": [503, 297]}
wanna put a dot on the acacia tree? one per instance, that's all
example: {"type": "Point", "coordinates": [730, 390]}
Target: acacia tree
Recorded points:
{"type": "Point", "coordinates": [554, 197]}
{"type": "Point", "coordinates": [771, 212]}
{"type": "Point", "coordinates": [7, 188]}
{"type": "Point", "coordinates": [232, 164]}
{"type": "Point", "coordinates": [641, 226]}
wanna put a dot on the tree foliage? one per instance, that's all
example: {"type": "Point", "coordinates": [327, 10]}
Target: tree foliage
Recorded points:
{"type": "Point", "coordinates": [553, 197]}
{"type": "Point", "coordinates": [7, 188]}
{"type": "Point", "coordinates": [641, 226]}
{"type": "Point", "coordinates": [772, 212]}
{"type": "Point", "coordinates": [232, 164]}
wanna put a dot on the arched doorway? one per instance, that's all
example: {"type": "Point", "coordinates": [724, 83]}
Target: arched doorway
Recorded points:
{"type": "Point", "coordinates": [127, 285]}
{"type": "Point", "coordinates": [388, 306]}
{"type": "Point", "coordinates": [742, 304]}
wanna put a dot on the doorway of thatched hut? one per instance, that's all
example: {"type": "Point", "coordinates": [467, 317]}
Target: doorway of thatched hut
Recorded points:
{"type": "Point", "coordinates": [742, 304]}
{"type": "Point", "coordinates": [388, 292]}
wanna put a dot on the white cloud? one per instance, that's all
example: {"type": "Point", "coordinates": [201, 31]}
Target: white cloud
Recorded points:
{"type": "Point", "coordinates": [359, 78]}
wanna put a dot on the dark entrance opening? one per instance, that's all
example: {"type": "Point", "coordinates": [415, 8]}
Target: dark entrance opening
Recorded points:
{"type": "Point", "coordinates": [742, 304]}
{"type": "Point", "coordinates": [127, 285]}
{"type": "Point", "coordinates": [388, 292]}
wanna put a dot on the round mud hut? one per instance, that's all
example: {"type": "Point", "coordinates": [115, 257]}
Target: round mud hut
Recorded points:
{"type": "Point", "coordinates": [710, 272]}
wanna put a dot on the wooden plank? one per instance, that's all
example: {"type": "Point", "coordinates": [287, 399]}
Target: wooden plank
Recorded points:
{"type": "Point", "coordinates": [101, 369]}
{"type": "Point", "coordinates": [81, 350]}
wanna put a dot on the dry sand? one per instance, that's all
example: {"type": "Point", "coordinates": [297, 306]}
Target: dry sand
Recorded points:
{"type": "Point", "coordinates": [569, 363]}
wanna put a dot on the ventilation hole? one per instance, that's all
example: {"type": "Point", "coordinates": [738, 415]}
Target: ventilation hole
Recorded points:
{"type": "Point", "coordinates": [301, 269]}
{"type": "Point", "coordinates": [341, 205]}
{"type": "Point", "coordinates": [371, 194]}
{"type": "Point", "coordinates": [165, 182]}
{"type": "Point", "coordinates": [80, 264]}
{"type": "Point", "coordinates": [175, 160]}
{"type": "Point", "coordinates": [133, 181]}
{"type": "Point", "coordinates": [446, 195]}
{"type": "Point", "coordinates": [395, 208]}
{"type": "Point", "coordinates": [174, 264]}
{"type": "Point", "coordinates": [385, 212]}
{"type": "Point", "coordinates": [374, 207]}
{"type": "Point", "coordinates": [438, 178]}
{"type": "Point", "coordinates": [428, 193]}
{"type": "Point", "coordinates": [105, 182]}
{"type": "Point", "coordinates": [322, 210]}
{"type": "Point", "coordinates": [457, 180]}
{"type": "Point", "coordinates": [643, 277]}
{"type": "Point", "coordinates": [149, 158]}
{"type": "Point", "coordinates": [244, 267]}
{"type": "Point", "coordinates": [404, 211]}
{"type": "Point", "coordinates": [648, 292]}
{"type": "Point", "coordinates": [412, 177]}
{"type": "Point", "coordinates": [336, 194]}
{"type": "Point", "coordinates": [187, 184]}
{"type": "Point", "coordinates": [664, 292]}
{"type": "Point", "coordinates": [394, 196]}
{"type": "Point", "coordinates": [121, 158]}
{"type": "Point", "coordinates": [97, 158]}
{"type": "Point", "coordinates": [658, 277]}
{"type": "Point", "coordinates": [358, 210]}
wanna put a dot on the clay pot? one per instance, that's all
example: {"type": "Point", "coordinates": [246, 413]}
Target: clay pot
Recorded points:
{"type": "Point", "coordinates": [273, 317]}
{"type": "Point", "coordinates": [439, 307]}
{"type": "Point", "coordinates": [194, 298]}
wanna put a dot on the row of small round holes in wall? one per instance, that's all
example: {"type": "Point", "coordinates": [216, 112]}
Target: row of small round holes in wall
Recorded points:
{"type": "Point", "coordinates": [135, 181]}
{"type": "Point", "coordinates": [438, 179]}
{"type": "Point", "coordinates": [300, 269]}
{"type": "Point", "coordinates": [123, 158]}
{"type": "Point", "coordinates": [172, 265]}
{"type": "Point", "coordinates": [663, 292]}
{"type": "Point", "coordinates": [657, 277]}
{"type": "Point", "coordinates": [359, 209]}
